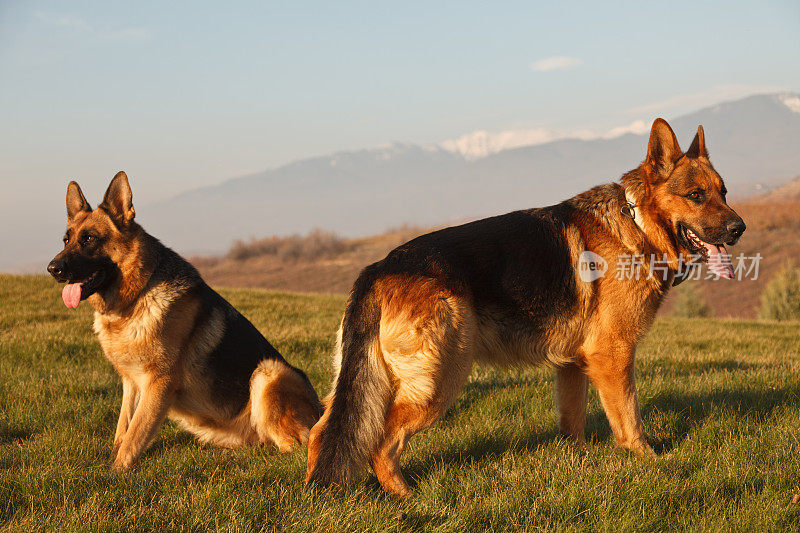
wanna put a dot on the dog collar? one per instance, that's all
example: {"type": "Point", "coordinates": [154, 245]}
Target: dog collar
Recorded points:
{"type": "Point", "coordinates": [631, 210]}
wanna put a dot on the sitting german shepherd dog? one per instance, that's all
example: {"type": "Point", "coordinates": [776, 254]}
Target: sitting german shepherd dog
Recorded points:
{"type": "Point", "coordinates": [179, 347]}
{"type": "Point", "coordinates": [507, 290]}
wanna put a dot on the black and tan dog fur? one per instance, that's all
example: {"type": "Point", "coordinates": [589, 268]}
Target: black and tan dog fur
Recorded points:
{"type": "Point", "coordinates": [181, 350]}
{"type": "Point", "coordinates": [506, 290]}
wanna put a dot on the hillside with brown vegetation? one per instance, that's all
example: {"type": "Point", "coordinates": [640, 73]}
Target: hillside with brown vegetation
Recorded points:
{"type": "Point", "coordinates": [318, 262]}
{"type": "Point", "coordinates": [789, 192]}
{"type": "Point", "coordinates": [325, 263]}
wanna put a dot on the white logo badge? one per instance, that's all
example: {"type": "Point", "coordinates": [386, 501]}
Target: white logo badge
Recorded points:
{"type": "Point", "coordinates": [591, 266]}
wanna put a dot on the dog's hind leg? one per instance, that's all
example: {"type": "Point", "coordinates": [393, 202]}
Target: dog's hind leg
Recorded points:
{"type": "Point", "coordinates": [410, 414]}
{"type": "Point", "coordinates": [402, 422]}
{"type": "Point", "coordinates": [572, 386]}
{"type": "Point", "coordinates": [430, 359]}
{"type": "Point", "coordinates": [284, 405]}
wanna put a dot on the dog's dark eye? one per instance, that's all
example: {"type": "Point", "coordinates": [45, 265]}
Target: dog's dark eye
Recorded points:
{"type": "Point", "coordinates": [696, 196]}
{"type": "Point", "coordinates": [66, 239]}
{"type": "Point", "coordinates": [89, 239]}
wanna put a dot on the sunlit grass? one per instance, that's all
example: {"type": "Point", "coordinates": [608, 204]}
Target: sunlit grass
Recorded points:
{"type": "Point", "coordinates": [720, 400]}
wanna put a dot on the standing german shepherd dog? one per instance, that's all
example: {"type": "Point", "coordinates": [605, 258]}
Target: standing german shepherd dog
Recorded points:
{"type": "Point", "coordinates": [181, 349]}
{"type": "Point", "coordinates": [507, 290]}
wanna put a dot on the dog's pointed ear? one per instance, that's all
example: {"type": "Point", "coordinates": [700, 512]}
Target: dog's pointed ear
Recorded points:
{"type": "Point", "coordinates": [118, 200]}
{"type": "Point", "coordinates": [663, 149]}
{"type": "Point", "coordinates": [76, 201]}
{"type": "Point", "coordinates": [698, 147]}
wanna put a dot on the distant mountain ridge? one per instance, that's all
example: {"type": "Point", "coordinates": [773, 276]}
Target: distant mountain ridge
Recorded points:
{"type": "Point", "coordinates": [753, 143]}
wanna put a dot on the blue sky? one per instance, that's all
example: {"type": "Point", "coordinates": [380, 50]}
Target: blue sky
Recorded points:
{"type": "Point", "coordinates": [181, 94]}
{"type": "Point", "coordinates": [188, 92]}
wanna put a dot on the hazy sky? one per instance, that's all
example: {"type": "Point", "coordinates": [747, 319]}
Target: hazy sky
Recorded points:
{"type": "Point", "coordinates": [188, 93]}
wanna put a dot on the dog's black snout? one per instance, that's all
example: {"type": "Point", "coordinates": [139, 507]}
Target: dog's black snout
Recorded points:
{"type": "Point", "coordinates": [56, 268]}
{"type": "Point", "coordinates": [735, 228]}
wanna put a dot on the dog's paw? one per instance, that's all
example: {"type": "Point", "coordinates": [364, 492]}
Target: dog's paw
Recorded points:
{"type": "Point", "coordinates": [638, 447]}
{"type": "Point", "coordinates": [122, 462]}
{"type": "Point", "coordinates": [645, 450]}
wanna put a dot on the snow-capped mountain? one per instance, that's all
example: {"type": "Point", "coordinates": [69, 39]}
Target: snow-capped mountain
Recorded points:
{"type": "Point", "coordinates": [481, 143]}
{"type": "Point", "coordinates": [792, 101]}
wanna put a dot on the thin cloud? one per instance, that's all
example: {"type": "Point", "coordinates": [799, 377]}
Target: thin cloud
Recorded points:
{"type": "Point", "coordinates": [128, 34]}
{"type": "Point", "coordinates": [64, 21]}
{"type": "Point", "coordinates": [80, 25]}
{"type": "Point", "coordinates": [550, 64]}
{"type": "Point", "coordinates": [712, 96]}
{"type": "Point", "coordinates": [637, 127]}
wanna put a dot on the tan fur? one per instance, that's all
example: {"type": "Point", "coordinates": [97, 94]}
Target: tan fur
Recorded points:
{"type": "Point", "coordinates": [429, 340]}
{"type": "Point", "coordinates": [151, 330]}
{"type": "Point", "coordinates": [429, 337]}
{"type": "Point", "coordinates": [163, 371]}
{"type": "Point", "coordinates": [279, 407]}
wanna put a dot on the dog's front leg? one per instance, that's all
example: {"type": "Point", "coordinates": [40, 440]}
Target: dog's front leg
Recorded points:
{"type": "Point", "coordinates": [612, 372]}
{"type": "Point", "coordinates": [130, 398]}
{"type": "Point", "coordinates": [155, 400]}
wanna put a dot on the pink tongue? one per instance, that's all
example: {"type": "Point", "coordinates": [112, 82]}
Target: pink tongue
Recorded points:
{"type": "Point", "coordinates": [71, 295]}
{"type": "Point", "coordinates": [719, 261]}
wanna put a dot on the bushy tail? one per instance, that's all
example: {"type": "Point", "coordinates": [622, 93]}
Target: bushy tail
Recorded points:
{"type": "Point", "coordinates": [284, 405]}
{"type": "Point", "coordinates": [349, 432]}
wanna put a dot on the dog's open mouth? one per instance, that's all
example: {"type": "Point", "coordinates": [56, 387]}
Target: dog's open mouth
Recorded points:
{"type": "Point", "coordinates": [73, 293]}
{"type": "Point", "coordinates": [716, 255]}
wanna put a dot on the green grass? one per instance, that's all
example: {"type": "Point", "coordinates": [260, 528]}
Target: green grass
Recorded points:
{"type": "Point", "coordinates": [720, 400]}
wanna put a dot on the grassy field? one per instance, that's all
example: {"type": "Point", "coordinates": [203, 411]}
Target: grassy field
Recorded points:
{"type": "Point", "coordinates": [720, 400]}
